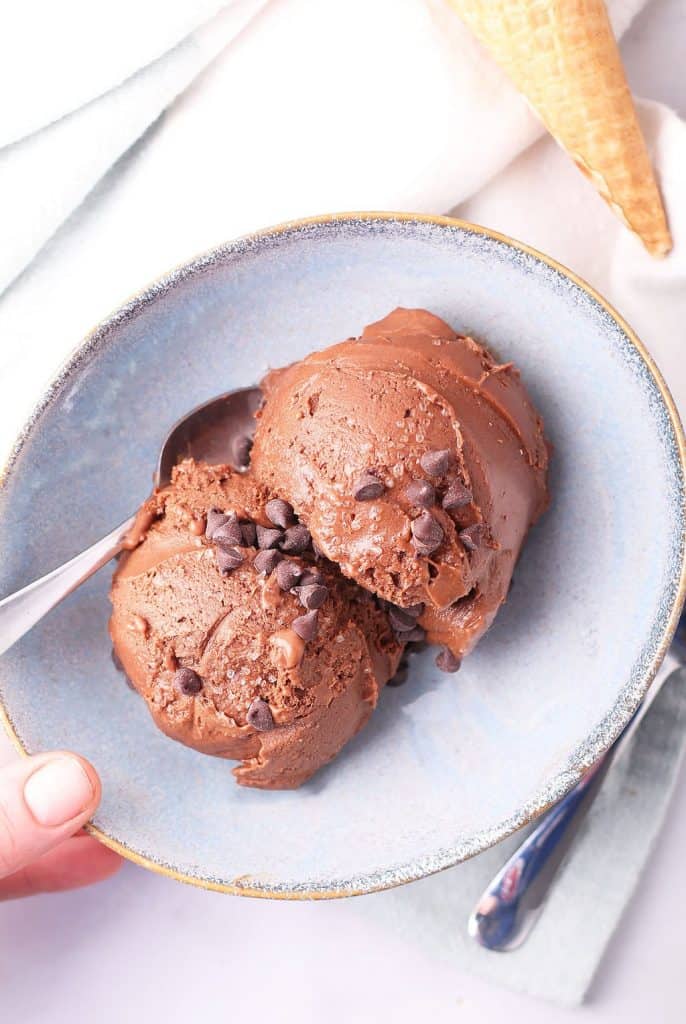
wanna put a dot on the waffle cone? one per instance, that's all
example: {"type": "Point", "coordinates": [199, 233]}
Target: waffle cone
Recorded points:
{"type": "Point", "coordinates": [563, 56]}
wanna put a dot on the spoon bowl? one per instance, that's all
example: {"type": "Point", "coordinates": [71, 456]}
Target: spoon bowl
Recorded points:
{"type": "Point", "coordinates": [218, 431]}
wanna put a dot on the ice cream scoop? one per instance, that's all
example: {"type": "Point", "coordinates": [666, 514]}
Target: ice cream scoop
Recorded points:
{"type": "Point", "coordinates": [242, 643]}
{"type": "Point", "coordinates": [418, 463]}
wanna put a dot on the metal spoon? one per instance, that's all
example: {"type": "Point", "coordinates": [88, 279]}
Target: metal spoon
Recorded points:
{"type": "Point", "coordinates": [512, 902]}
{"type": "Point", "coordinates": [514, 899]}
{"type": "Point", "coordinates": [212, 432]}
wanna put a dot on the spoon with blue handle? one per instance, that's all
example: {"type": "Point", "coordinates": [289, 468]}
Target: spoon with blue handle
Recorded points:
{"type": "Point", "coordinates": [513, 901]}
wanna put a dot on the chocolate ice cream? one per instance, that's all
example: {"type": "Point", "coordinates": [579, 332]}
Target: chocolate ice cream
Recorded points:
{"type": "Point", "coordinates": [392, 482]}
{"type": "Point", "coordinates": [243, 644]}
{"type": "Point", "coordinates": [418, 463]}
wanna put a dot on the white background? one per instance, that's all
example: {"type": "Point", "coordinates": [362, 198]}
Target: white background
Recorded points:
{"type": "Point", "coordinates": [143, 948]}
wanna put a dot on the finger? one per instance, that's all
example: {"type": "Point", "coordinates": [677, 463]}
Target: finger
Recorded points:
{"type": "Point", "coordinates": [79, 860]}
{"type": "Point", "coordinates": [43, 800]}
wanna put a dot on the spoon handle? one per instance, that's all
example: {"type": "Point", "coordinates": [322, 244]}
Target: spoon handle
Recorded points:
{"type": "Point", "coordinates": [22, 610]}
{"type": "Point", "coordinates": [513, 901]}
{"type": "Point", "coordinates": [510, 906]}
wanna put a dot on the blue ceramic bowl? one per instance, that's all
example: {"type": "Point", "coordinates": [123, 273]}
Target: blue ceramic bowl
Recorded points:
{"type": "Point", "coordinates": [448, 765]}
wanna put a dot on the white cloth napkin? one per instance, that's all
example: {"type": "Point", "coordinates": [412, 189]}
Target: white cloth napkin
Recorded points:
{"type": "Point", "coordinates": [276, 109]}
{"type": "Point", "coordinates": [54, 58]}
{"type": "Point", "coordinates": [81, 146]}
{"type": "Point", "coordinates": [309, 108]}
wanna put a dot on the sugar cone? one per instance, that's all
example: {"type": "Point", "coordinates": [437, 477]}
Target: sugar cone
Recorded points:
{"type": "Point", "coordinates": [562, 55]}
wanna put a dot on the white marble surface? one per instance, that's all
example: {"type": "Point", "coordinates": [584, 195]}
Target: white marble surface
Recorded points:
{"type": "Point", "coordinates": [143, 948]}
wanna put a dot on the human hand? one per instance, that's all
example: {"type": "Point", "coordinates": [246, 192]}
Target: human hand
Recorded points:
{"type": "Point", "coordinates": [44, 802]}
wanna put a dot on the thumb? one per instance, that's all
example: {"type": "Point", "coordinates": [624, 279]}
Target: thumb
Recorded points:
{"type": "Point", "coordinates": [43, 800]}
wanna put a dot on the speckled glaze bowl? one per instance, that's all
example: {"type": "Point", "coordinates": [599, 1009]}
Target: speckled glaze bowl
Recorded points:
{"type": "Point", "coordinates": [448, 764]}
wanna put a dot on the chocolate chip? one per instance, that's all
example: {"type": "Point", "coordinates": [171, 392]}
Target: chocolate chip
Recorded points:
{"type": "Point", "coordinates": [188, 681]}
{"type": "Point", "coordinates": [296, 540]}
{"type": "Point", "coordinates": [368, 486]}
{"type": "Point", "coordinates": [447, 661]}
{"type": "Point", "coordinates": [457, 496]}
{"type": "Point", "coordinates": [267, 561]}
{"type": "Point", "coordinates": [471, 536]}
{"type": "Point", "coordinates": [288, 574]}
{"type": "Point", "coordinates": [279, 512]}
{"type": "Point", "coordinates": [313, 596]}
{"type": "Point", "coordinates": [240, 451]}
{"type": "Point", "coordinates": [420, 493]}
{"type": "Point", "coordinates": [313, 576]}
{"type": "Point", "coordinates": [305, 626]}
{"type": "Point", "coordinates": [228, 559]}
{"type": "Point", "coordinates": [436, 463]}
{"type": "Point", "coordinates": [427, 533]}
{"type": "Point", "coordinates": [229, 534]}
{"type": "Point", "coordinates": [259, 715]}
{"type": "Point", "coordinates": [411, 636]}
{"type": "Point", "coordinates": [415, 610]}
{"type": "Point", "coordinates": [400, 619]}
{"type": "Point", "coordinates": [267, 538]}
{"type": "Point", "coordinates": [215, 519]}
{"type": "Point", "coordinates": [249, 532]}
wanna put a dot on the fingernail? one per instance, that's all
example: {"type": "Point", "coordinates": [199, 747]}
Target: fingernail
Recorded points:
{"type": "Point", "coordinates": [58, 791]}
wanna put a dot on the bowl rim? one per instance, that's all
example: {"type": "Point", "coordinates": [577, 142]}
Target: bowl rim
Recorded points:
{"type": "Point", "coordinates": [591, 748]}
